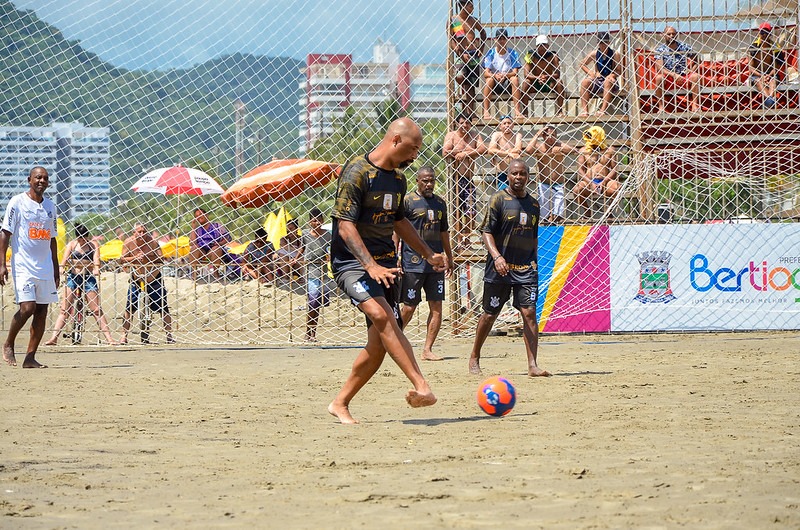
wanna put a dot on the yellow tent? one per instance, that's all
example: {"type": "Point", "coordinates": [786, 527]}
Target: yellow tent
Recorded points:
{"type": "Point", "coordinates": [111, 250]}
{"type": "Point", "coordinates": [175, 248]}
{"type": "Point", "coordinates": [61, 237]}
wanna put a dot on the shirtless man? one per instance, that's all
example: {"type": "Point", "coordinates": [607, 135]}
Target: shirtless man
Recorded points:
{"type": "Point", "coordinates": [505, 145]}
{"type": "Point", "coordinates": [543, 74]}
{"type": "Point", "coordinates": [550, 153]}
{"type": "Point", "coordinates": [597, 167]}
{"type": "Point", "coordinates": [144, 255]}
{"type": "Point", "coordinates": [467, 38]}
{"type": "Point", "coordinates": [766, 63]}
{"type": "Point", "coordinates": [461, 147]}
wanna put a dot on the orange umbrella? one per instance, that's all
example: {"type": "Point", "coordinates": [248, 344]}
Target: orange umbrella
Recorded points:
{"type": "Point", "coordinates": [279, 180]}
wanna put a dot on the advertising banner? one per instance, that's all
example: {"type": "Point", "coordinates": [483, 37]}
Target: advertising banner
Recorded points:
{"type": "Point", "coordinates": [705, 277]}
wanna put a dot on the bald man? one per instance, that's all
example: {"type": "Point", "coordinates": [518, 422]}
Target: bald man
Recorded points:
{"type": "Point", "coordinates": [368, 208]}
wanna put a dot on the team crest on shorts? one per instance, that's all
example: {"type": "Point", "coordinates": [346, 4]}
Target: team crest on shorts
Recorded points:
{"type": "Point", "coordinates": [360, 287]}
{"type": "Point", "coordinates": [654, 279]}
{"type": "Point", "coordinates": [412, 293]}
{"type": "Point", "coordinates": [494, 301]}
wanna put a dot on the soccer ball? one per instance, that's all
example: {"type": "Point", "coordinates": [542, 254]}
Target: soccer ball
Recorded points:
{"type": "Point", "coordinates": [496, 396]}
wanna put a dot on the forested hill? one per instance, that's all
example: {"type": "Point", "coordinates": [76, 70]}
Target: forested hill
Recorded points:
{"type": "Point", "coordinates": [156, 118]}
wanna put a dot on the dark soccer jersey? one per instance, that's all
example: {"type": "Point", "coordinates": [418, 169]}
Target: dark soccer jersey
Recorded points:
{"type": "Point", "coordinates": [429, 217]}
{"type": "Point", "coordinates": [372, 198]}
{"type": "Point", "coordinates": [514, 223]}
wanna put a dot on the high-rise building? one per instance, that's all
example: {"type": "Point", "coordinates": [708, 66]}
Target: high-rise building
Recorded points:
{"type": "Point", "coordinates": [76, 157]}
{"type": "Point", "coordinates": [333, 82]}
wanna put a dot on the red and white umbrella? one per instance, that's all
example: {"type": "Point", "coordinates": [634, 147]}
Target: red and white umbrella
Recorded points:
{"type": "Point", "coordinates": [177, 180]}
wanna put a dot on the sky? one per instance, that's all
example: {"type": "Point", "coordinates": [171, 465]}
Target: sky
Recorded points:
{"type": "Point", "coordinates": [162, 34]}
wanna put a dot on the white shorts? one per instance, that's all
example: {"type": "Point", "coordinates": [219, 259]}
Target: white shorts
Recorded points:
{"type": "Point", "coordinates": [551, 200]}
{"type": "Point", "coordinates": [28, 289]}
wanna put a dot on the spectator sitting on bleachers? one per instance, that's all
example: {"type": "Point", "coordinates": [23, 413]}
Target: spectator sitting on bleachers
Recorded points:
{"type": "Point", "coordinates": [469, 49]}
{"type": "Point", "coordinates": [766, 62]}
{"type": "Point", "coordinates": [676, 63]}
{"type": "Point", "coordinates": [550, 153]}
{"type": "Point", "coordinates": [207, 241]}
{"type": "Point", "coordinates": [258, 259]}
{"type": "Point", "coordinates": [602, 77]}
{"type": "Point", "coordinates": [501, 67]}
{"type": "Point", "coordinates": [597, 167]}
{"type": "Point", "coordinates": [543, 74]}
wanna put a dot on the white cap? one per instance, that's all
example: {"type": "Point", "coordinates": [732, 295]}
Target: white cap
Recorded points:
{"type": "Point", "coordinates": [541, 39]}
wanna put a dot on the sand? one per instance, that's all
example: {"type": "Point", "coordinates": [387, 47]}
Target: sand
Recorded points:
{"type": "Point", "coordinates": [655, 431]}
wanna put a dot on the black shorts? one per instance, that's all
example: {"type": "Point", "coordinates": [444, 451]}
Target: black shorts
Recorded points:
{"type": "Point", "coordinates": [471, 74]}
{"type": "Point", "coordinates": [501, 88]}
{"type": "Point", "coordinates": [495, 295]}
{"type": "Point", "coordinates": [360, 287]}
{"type": "Point", "coordinates": [156, 296]}
{"type": "Point", "coordinates": [415, 282]}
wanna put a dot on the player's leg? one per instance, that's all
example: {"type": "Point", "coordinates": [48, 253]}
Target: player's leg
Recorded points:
{"type": "Point", "coordinates": [38, 326]}
{"type": "Point", "coordinates": [495, 295]}
{"type": "Point", "coordinates": [525, 301]}
{"type": "Point", "coordinates": [367, 362]}
{"type": "Point", "coordinates": [434, 294]}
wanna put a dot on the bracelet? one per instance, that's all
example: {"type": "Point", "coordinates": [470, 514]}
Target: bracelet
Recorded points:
{"type": "Point", "coordinates": [498, 257]}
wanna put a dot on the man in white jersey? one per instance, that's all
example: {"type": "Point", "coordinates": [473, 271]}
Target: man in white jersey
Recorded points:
{"type": "Point", "coordinates": [30, 226]}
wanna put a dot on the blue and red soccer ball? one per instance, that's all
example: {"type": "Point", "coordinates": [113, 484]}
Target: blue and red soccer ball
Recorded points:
{"type": "Point", "coordinates": [497, 396]}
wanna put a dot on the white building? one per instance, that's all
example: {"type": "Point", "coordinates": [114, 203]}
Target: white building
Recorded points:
{"type": "Point", "coordinates": [334, 82]}
{"type": "Point", "coordinates": [76, 157]}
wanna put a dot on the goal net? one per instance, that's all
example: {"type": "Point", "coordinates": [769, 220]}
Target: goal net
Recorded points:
{"type": "Point", "coordinates": [684, 119]}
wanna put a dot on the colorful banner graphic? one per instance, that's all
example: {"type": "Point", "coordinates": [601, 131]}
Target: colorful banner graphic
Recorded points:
{"type": "Point", "coordinates": [705, 277]}
{"type": "Point", "coordinates": [574, 279]}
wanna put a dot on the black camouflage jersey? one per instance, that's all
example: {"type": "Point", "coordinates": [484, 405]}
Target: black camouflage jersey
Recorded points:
{"type": "Point", "coordinates": [372, 198]}
{"type": "Point", "coordinates": [429, 217]}
{"type": "Point", "coordinates": [514, 223]}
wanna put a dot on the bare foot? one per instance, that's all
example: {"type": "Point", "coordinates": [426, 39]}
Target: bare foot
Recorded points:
{"type": "Point", "coordinates": [52, 342]}
{"type": "Point", "coordinates": [430, 356]}
{"type": "Point", "coordinates": [600, 113]}
{"type": "Point", "coordinates": [474, 366]}
{"type": "Point", "coordinates": [416, 399]}
{"type": "Point", "coordinates": [30, 362]}
{"type": "Point", "coordinates": [342, 412]}
{"type": "Point", "coordinates": [538, 372]}
{"type": "Point", "coordinates": [583, 114]}
{"type": "Point", "coordinates": [8, 355]}
{"type": "Point", "coordinates": [487, 116]}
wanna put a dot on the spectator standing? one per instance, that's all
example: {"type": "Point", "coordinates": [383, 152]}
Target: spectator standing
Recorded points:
{"type": "Point", "coordinates": [462, 146]}
{"type": "Point", "coordinates": [543, 74]}
{"type": "Point", "coordinates": [29, 225]}
{"type": "Point", "coordinates": [81, 260]}
{"type": "Point", "coordinates": [603, 68]}
{"type": "Point", "coordinates": [550, 153]}
{"type": "Point", "coordinates": [467, 38]}
{"type": "Point", "coordinates": [316, 242]}
{"type": "Point", "coordinates": [368, 208]}
{"type": "Point", "coordinates": [144, 255]}
{"type": "Point", "coordinates": [289, 256]}
{"type": "Point", "coordinates": [675, 67]}
{"type": "Point", "coordinates": [505, 145]}
{"type": "Point", "coordinates": [510, 234]}
{"type": "Point", "coordinates": [766, 64]}
{"type": "Point", "coordinates": [500, 70]}
{"type": "Point", "coordinates": [427, 213]}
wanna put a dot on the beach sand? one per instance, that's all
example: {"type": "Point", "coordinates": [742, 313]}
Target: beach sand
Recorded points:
{"type": "Point", "coordinates": [652, 431]}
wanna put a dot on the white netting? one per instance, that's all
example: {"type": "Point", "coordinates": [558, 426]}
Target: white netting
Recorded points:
{"type": "Point", "coordinates": [229, 88]}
